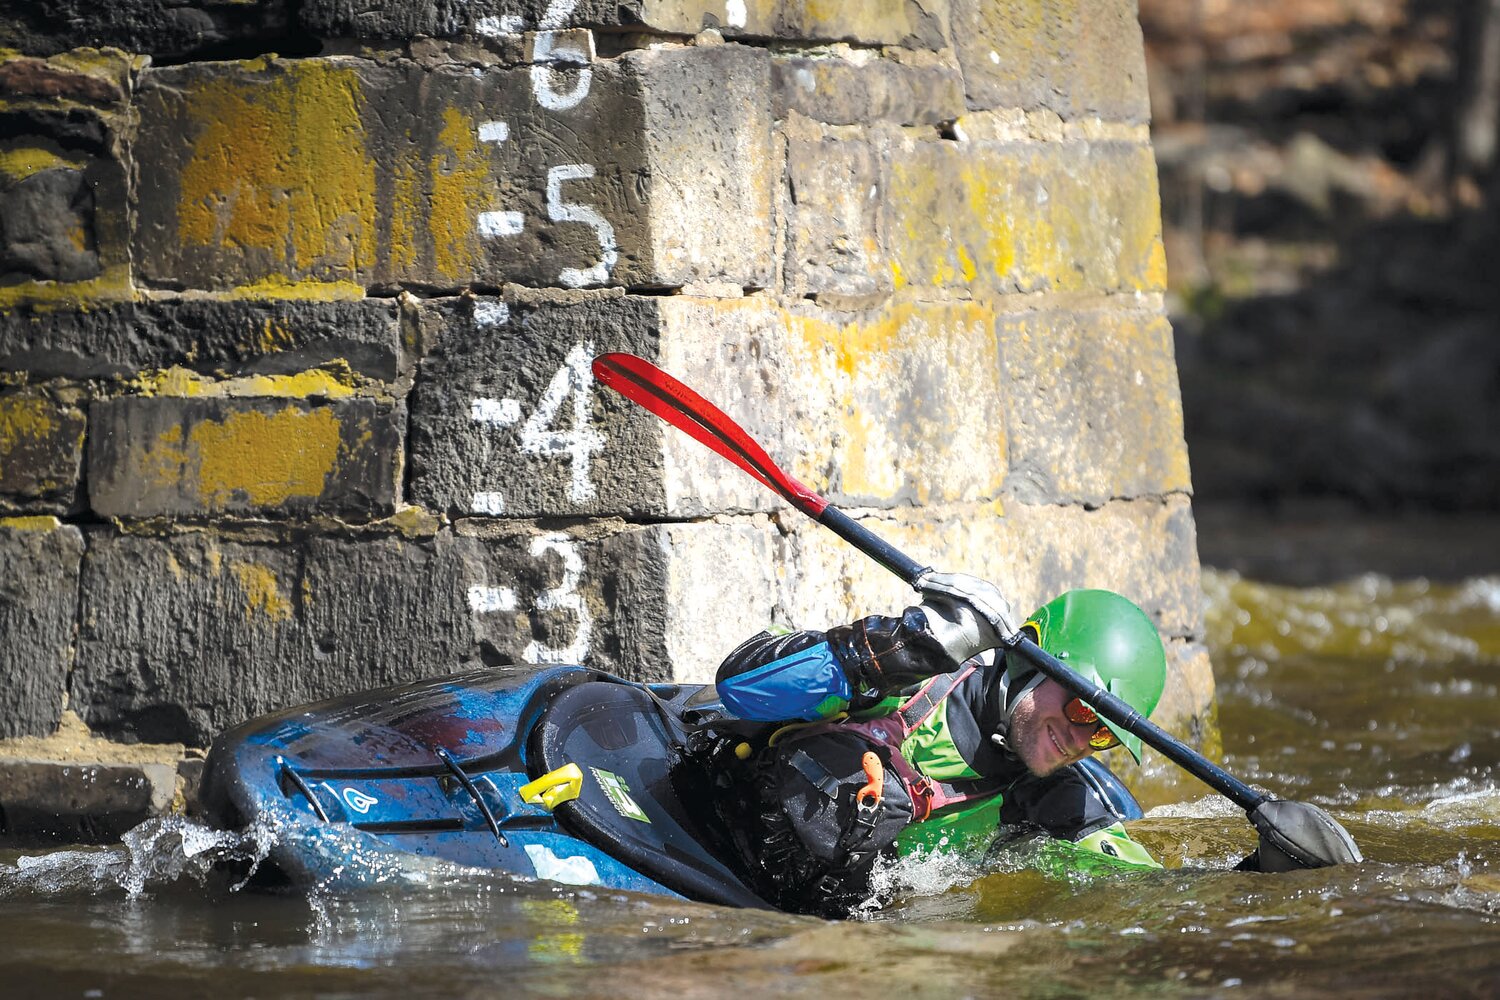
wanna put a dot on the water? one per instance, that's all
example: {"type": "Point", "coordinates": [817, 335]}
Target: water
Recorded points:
{"type": "Point", "coordinates": [1374, 699]}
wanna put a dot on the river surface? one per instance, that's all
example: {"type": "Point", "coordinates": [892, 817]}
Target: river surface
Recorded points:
{"type": "Point", "coordinates": [1374, 699]}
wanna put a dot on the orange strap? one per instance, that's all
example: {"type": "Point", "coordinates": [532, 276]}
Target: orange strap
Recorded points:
{"type": "Point", "coordinates": [874, 780]}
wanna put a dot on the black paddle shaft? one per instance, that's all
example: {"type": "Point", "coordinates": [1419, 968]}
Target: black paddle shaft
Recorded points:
{"type": "Point", "coordinates": [872, 545]}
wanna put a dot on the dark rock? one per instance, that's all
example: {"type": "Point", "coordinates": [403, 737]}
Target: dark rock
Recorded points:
{"type": "Point", "coordinates": [80, 803]}
{"type": "Point", "coordinates": [237, 337]}
{"type": "Point", "coordinates": [38, 604]}
{"type": "Point", "coordinates": [47, 227]}
{"type": "Point", "coordinates": [162, 28]}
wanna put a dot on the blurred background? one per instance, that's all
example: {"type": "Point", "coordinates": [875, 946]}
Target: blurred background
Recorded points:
{"type": "Point", "coordinates": [1329, 203]}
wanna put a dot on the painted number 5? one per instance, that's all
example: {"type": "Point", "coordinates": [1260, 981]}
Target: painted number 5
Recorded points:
{"type": "Point", "coordinates": [562, 211]}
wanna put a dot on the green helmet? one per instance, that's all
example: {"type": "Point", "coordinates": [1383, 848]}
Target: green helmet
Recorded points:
{"type": "Point", "coordinates": [1111, 642]}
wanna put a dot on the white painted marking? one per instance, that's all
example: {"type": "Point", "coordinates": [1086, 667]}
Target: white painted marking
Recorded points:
{"type": "Point", "coordinates": [499, 27]}
{"type": "Point", "coordinates": [501, 223]}
{"type": "Point", "coordinates": [580, 442]}
{"type": "Point", "coordinates": [545, 52]}
{"type": "Point", "coordinates": [486, 599]}
{"type": "Point", "coordinates": [734, 13]}
{"type": "Point", "coordinates": [492, 504]}
{"type": "Point", "coordinates": [488, 314]}
{"type": "Point", "coordinates": [494, 131]}
{"type": "Point", "coordinates": [500, 412]}
{"type": "Point", "coordinates": [564, 596]}
{"type": "Point", "coordinates": [562, 211]}
{"type": "Point", "coordinates": [547, 97]}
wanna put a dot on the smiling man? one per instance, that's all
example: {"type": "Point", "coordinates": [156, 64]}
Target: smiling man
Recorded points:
{"type": "Point", "coordinates": [918, 731]}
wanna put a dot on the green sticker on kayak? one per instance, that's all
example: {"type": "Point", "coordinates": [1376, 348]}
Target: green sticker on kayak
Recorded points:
{"type": "Point", "coordinates": [619, 795]}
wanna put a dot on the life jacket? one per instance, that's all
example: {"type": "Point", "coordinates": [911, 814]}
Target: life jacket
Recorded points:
{"type": "Point", "coordinates": [889, 732]}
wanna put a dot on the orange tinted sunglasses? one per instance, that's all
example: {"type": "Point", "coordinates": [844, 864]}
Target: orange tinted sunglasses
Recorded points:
{"type": "Point", "coordinates": [1080, 714]}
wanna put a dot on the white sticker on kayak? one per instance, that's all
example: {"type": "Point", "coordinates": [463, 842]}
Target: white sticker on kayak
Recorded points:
{"type": "Point", "coordinates": [570, 871]}
{"type": "Point", "coordinates": [358, 800]}
{"type": "Point", "coordinates": [618, 794]}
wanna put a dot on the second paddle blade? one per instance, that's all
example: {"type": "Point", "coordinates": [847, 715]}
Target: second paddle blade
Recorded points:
{"type": "Point", "coordinates": [1297, 835]}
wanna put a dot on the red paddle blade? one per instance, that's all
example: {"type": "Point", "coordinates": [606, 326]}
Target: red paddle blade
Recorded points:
{"type": "Point", "coordinates": [646, 385]}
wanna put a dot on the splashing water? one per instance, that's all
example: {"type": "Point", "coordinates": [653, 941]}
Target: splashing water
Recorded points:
{"type": "Point", "coordinates": [155, 854]}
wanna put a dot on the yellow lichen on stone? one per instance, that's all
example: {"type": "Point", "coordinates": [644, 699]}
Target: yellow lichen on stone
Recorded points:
{"type": "Point", "coordinates": [19, 164]}
{"type": "Point", "coordinates": [460, 181]}
{"type": "Point", "coordinates": [23, 420]}
{"type": "Point", "coordinates": [262, 594]}
{"type": "Point", "coordinates": [1030, 216]}
{"type": "Point", "coordinates": [335, 380]}
{"type": "Point", "coordinates": [941, 441]}
{"type": "Point", "coordinates": [279, 165]}
{"type": "Point", "coordinates": [264, 458]}
{"type": "Point", "coordinates": [37, 522]}
{"type": "Point", "coordinates": [278, 286]}
{"type": "Point", "coordinates": [48, 296]}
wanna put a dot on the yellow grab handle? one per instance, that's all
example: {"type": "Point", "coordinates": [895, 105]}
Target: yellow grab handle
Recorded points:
{"type": "Point", "coordinates": [560, 785]}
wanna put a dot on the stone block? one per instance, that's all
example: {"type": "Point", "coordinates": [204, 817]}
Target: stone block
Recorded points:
{"type": "Point", "coordinates": [1078, 58]}
{"type": "Point", "coordinates": [341, 170]}
{"type": "Point", "coordinates": [47, 800]}
{"type": "Point", "coordinates": [238, 337]}
{"type": "Point", "coordinates": [41, 449]}
{"type": "Point", "coordinates": [63, 184]}
{"type": "Point", "coordinates": [879, 22]}
{"type": "Point", "coordinates": [507, 419]}
{"type": "Point", "coordinates": [1024, 217]}
{"type": "Point", "coordinates": [1092, 405]}
{"type": "Point", "coordinates": [707, 121]}
{"type": "Point", "coordinates": [38, 603]}
{"type": "Point", "coordinates": [844, 92]}
{"type": "Point", "coordinates": [833, 219]}
{"type": "Point", "coordinates": [162, 28]}
{"type": "Point", "coordinates": [184, 635]}
{"type": "Point", "coordinates": [723, 583]}
{"type": "Point", "coordinates": [196, 457]}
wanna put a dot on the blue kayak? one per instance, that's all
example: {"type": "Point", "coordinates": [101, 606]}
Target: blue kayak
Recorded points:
{"type": "Point", "coordinates": [560, 773]}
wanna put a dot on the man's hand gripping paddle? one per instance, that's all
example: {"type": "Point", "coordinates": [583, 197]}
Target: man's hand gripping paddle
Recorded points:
{"type": "Point", "coordinates": [1292, 834]}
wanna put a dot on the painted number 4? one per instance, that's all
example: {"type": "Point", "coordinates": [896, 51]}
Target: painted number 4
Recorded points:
{"type": "Point", "coordinates": [540, 433]}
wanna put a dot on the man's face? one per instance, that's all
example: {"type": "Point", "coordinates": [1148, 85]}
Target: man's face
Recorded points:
{"type": "Point", "coordinates": [1042, 736]}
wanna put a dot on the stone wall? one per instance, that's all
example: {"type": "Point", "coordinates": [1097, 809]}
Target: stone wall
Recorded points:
{"type": "Point", "coordinates": [295, 394]}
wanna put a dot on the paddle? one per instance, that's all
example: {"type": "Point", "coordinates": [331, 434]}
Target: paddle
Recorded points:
{"type": "Point", "coordinates": [1292, 834]}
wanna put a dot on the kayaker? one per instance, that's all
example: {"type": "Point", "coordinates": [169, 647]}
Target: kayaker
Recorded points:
{"type": "Point", "coordinates": [918, 728]}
